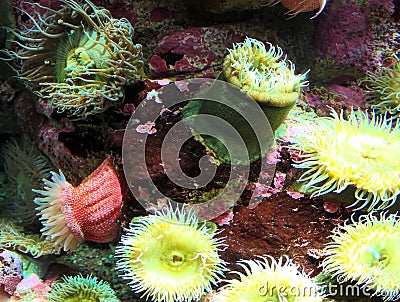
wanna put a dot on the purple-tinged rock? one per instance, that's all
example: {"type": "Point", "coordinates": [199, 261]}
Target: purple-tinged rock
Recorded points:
{"type": "Point", "coordinates": [346, 32]}
{"type": "Point", "coordinates": [337, 97]}
{"type": "Point", "coordinates": [10, 271]}
{"type": "Point", "coordinates": [160, 14]}
{"type": "Point", "coordinates": [193, 50]}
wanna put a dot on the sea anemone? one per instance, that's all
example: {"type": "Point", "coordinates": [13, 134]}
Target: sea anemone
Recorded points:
{"type": "Point", "coordinates": [87, 212]}
{"type": "Point", "coordinates": [265, 75]}
{"type": "Point", "coordinates": [170, 256]}
{"type": "Point", "coordinates": [361, 152]}
{"type": "Point", "coordinates": [367, 252]}
{"type": "Point", "coordinates": [300, 6]}
{"type": "Point", "coordinates": [82, 289]}
{"type": "Point", "coordinates": [384, 86]}
{"type": "Point", "coordinates": [78, 58]}
{"type": "Point", "coordinates": [25, 167]}
{"type": "Point", "coordinates": [267, 279]}
{"type": "Point", "coordinates": [267, 82]}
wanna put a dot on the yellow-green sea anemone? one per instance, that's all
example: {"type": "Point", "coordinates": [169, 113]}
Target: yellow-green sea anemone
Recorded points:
{"type": "Point", "coordinates": [384, 86]}
{"type": "Point", "coordinates": [170, 256]}
{"type": "Point", "coordinates": [361, 152]}
{"type": "Point", "coordinates": [267, 279]}
{"type": "Point", "coordinates": [78, 58]}
{"type": "Point", "coordinates": [82, 289]}
{"type": "Point", "coordinates": [367, 252]}
{"type": "Point", "coordinates": [265, 75]}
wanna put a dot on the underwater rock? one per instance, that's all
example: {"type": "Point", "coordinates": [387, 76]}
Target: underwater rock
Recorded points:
{"type": "Point", "coordinates": [220, 7]}
{"type": "Point", "coordinates": [345, 34]}
{"type": "Point", "coordinates": [32, 287]}
{"type": "Point", "coordinates": [193, 50]}
{"type": "Point", "coordinates": [280, 225]}
{"type": "Point", "coordinates": [10, 271]}
{"type": "Point", "coordinates": [159, 14]}
{"type": "Point", "coordinates": [336, 96]}
{"type": "Point", "coordinates": [68, 147]}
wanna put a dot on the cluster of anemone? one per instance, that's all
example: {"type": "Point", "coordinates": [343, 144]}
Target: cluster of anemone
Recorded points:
{"type": "Point", "coordinates": [384, 89]}
{"type": "Point", "coordinates": [268, 279]}
{"type": "Point", "coordinates": [79, 289]}
{"type": "Point", "coordinates": [170, 256]}
{"type": "Point", "coordinates": [367, 252]}
{"type": "Point", "coordinates": [77, 59]}
{"type": "Point", "coordinates": [359, 152]}
{"type": "Point", "coordinates": [265, 75]}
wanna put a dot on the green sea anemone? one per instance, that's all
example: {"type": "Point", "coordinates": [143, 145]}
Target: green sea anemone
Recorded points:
{"type": "Point", "coordinates": [170, 256]}
{"type": "Point", "coordinates": [384, 86]}
{"type": "Point", "coordinates": [25, 167]}
{"type": "Point", "coordinates": [77, 59]}
{"type": "Point", "coordinates": [367, 252]}
{"type": "Point", "coordinates": [268, 279]}
{"type": "Point", "coordinates": [361, 152]}
{"type": "Point", "coordinates": [269, 86]}
{"type": "Point", "coordinates": [82, 289]}
{"type": "Point", "coordinates": [266, 76]}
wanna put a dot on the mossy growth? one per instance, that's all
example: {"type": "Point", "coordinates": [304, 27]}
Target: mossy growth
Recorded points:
{"type": "Point", "coordinates": [325, 69]}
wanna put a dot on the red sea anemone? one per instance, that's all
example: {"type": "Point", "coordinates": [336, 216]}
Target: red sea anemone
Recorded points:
{"type": "Point", "coordinates": [87, 212]}
{"type": "Point", "coordinates": [300, 6]}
